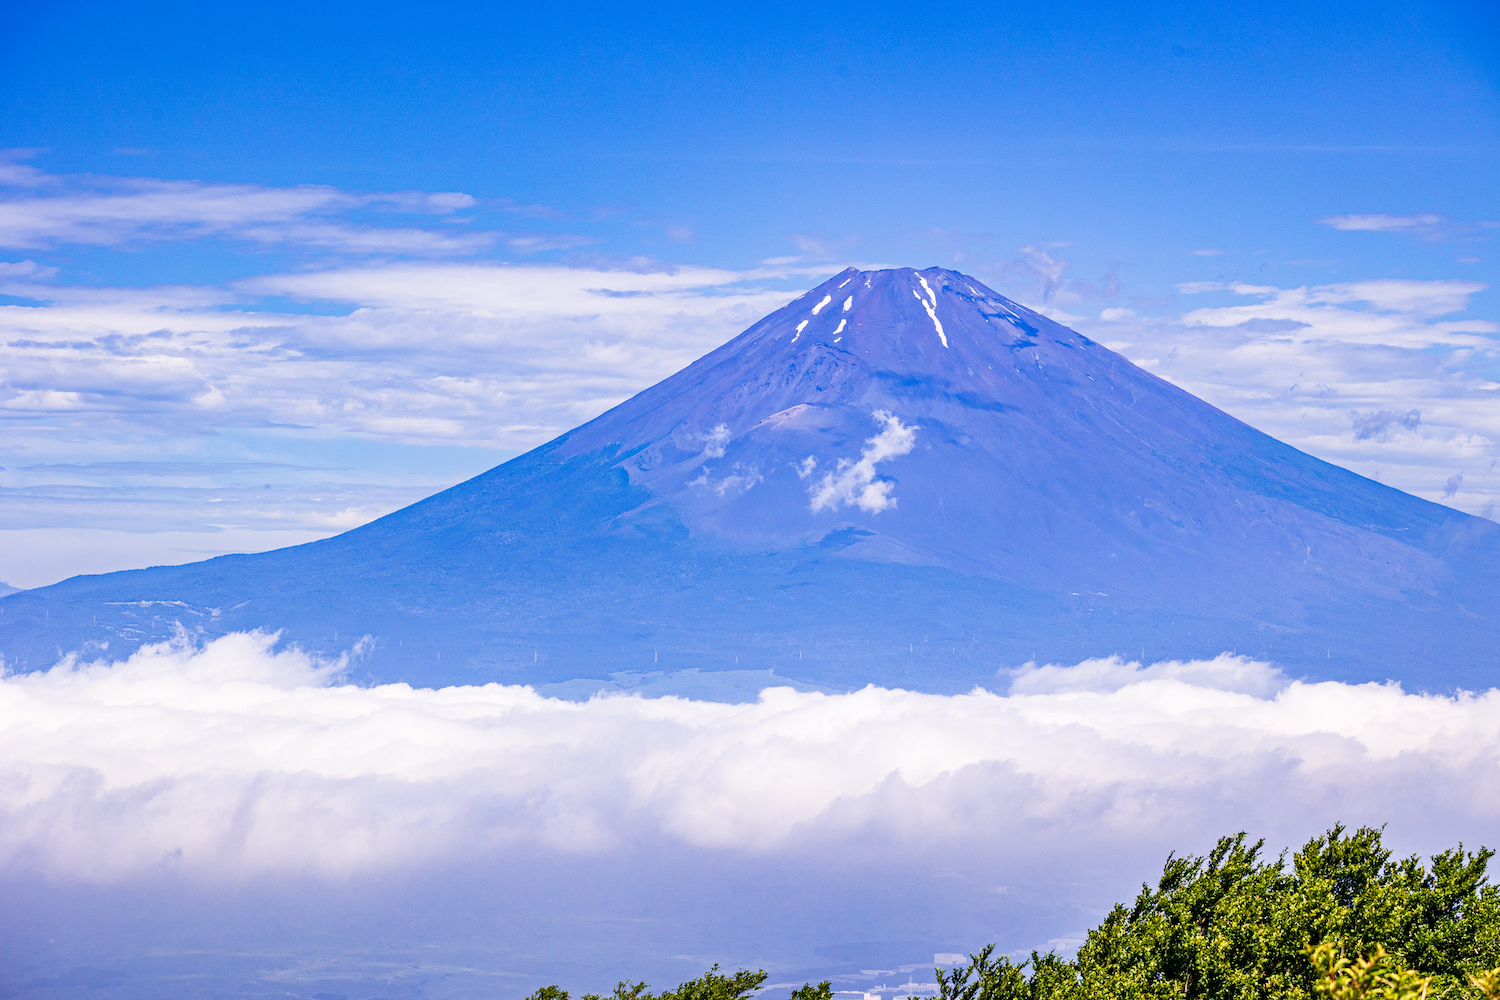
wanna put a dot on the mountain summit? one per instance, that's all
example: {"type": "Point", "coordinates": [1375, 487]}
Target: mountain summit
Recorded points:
{"type": "Point", "coordinates": [900, 477]}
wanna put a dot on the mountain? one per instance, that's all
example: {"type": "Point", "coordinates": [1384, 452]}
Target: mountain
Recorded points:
{"type": "Point", "coordinates": [900, 477]}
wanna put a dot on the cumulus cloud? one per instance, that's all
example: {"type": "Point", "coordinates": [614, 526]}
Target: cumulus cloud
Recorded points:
{"type": "Point", "coordinates": [238, 759]}
{"type": "Point", "coordinates": [1379, 376]}
{"type": "Point", "coordinates": [854, 483]}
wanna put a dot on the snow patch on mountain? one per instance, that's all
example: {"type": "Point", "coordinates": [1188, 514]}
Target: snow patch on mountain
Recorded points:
{"type": "Point", "coordinates": [932, 310]}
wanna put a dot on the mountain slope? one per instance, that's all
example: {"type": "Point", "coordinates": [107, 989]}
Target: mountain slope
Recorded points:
{"type": "Point", "coordinates": [899, 477]}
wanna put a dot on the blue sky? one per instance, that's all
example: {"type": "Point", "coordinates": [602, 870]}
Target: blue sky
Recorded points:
{"type": "Point", "coordinates": [890, 131]}
{"type": "Point", "coordinates": [271, 272]}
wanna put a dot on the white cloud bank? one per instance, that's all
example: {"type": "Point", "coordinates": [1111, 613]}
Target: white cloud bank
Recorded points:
{"type": "Point", "coordinates": [235, 759]}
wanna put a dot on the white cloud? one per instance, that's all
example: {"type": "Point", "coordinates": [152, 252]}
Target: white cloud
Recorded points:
{"type": "Point", "coordinates": [494, 355]}
{"type": "Point", "coordinates": [713, 444]}
{"type": "Point", "coordinates": [1378, 223]}
{"type": "Point", "coordinates": [52, 211]}
{"type": "Point", "coordinates": [236, 760]}
{"type": "Point", "coordinates": [1424, 225]}
{"type": "Point", "coordinates": [1376, 376]}
{"type": "Point", "coordinates": [853, 483]}
{"type": "Point", "coordinates": [1224, 673]}
{"type": "Point", "coordinates": [25, 269]}
{"type": "Point", "coordinates": [135, 209]}
{"type": "Point", "coordinates": [14, 173]}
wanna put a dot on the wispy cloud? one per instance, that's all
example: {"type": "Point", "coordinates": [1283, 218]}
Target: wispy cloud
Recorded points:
{"type": "Point", "coordinates": [1425, 225]}
{"type": "Point", "coordinates": [1046, 274]}
{"type": "Point", "coordinates": [530, 211]}
{"type": "Point", "coordinates": [1379, 426]}
{"type": "Point", "coordinates": [811, 247]}
{"type": "Point", "coordinates": [134, 210]}
{"type": "Point", "coordinates": [237, 760]}
{"type": "Point", "coordinates": [46, 211]}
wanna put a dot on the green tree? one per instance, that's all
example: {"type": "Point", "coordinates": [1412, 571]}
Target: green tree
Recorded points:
{"type": "Point", "coordinates": [625, 990]}
{"type": "Point", "coordinates": [807, 991]}
{"type": "Point", "coordinates": [714, 985]}
{"type": "Point", "coordinates": [1233, 925]}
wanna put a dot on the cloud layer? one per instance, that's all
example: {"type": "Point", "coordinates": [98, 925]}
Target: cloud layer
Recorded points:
{"type": "Point", "coordinates": [238, 759]}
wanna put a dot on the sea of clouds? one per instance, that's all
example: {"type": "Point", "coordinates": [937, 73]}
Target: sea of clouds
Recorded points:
{"type": "Point", "coordinates": [238, 759]}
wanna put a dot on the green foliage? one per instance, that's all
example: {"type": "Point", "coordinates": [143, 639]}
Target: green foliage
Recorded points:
{"type": "Point", "coordinates": [1234, 926]}
{"type": "Point", "coordinates": [713, 985]}
{"type": "Point", "coordinates": [1487, 983]}
{"type": "Point", "coordinates": [807, 991]}
{"type": "Point", "coordinates": [623, 991]}
{"type": "Point", "coordinates": [990, 978]}
{"type": "Point", "coordinates": [1376, 977]}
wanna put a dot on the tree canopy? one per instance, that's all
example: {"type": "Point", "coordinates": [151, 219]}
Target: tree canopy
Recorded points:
{"type": "Point", "coordinates": [1233, 925]}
